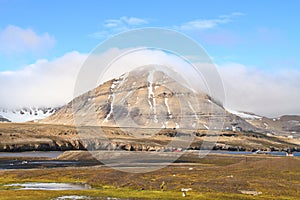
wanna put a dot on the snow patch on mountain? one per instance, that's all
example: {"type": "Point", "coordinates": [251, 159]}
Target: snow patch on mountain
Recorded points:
{"type": "Point", "coordinates": [27, 114]}
{"type": "Point", "coordinates": [244, 115]}
{"type": "Point", "coordinates": [116, 83]}
{"type": "Point", "coordinates": [151, 97]}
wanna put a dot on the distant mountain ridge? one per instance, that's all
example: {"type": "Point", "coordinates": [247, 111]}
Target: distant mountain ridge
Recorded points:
{"type": "Point", "coordinates": [27, 113]}
{"type": "Point", "coordinates": [3, 119]}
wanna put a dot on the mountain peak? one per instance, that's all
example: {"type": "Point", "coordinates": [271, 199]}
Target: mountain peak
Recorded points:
{"type": "Point", "coordinates": [149, 96]}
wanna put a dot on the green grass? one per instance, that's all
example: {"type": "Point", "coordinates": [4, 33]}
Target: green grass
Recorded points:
{"type": "Point", "coordinates": [132, 194]}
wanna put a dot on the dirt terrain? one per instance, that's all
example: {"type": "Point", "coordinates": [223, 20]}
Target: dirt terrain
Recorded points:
{"type": "Point", "coordinates": [46, 137]}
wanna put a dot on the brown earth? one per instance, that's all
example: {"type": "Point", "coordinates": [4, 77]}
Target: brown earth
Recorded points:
{"type": "Point", "coordinates": [34, 136]}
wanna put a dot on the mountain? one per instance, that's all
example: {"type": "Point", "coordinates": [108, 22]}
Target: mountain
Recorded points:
{"type": "Point", "coordinates": [245, 115]}
{"type": "Point", "coordinates": [146, 97]}
{"type": "Point", "coordinates": [286, 125]}
{"type": "Point", "coordinates": [27, 114]}
{"type": "Point", "coordinates": [3, 119]}
{"type": "Point", "coordinates": [157, 106]}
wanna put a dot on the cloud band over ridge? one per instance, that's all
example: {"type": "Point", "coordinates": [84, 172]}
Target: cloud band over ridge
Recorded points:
{"type": "Point", "coordinates": [51, 83]}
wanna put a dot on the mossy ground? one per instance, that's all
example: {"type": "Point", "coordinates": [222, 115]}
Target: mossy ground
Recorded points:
{"type": "Point", "coordinates": [213, 177]}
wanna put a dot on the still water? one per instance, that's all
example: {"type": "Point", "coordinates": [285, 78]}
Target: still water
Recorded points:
{"type": "Point", "coordinates": [40, 154]}
{"type": "Point", "coordinates": [48, 186]}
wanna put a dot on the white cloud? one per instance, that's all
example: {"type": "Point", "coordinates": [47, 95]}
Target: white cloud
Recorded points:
{"type": "Point", "coordinates": [50, 83]}
{"type": "Point", "coordinates": [129, 59]}
{"type": "Point", "coordinates": [146, 57]}
{"type": "Point", "coordinates": [14, 40]}
{"type": "Point", "coordinates": [125, 21]}
{"type": "Point", "coordinates": [113, 26]}
{"type": "Point", "coordinates": [44, 83]}
{"type": "Point", "coordinates": [265, 93]}
{"type": "Point", "coordinates": [134, 21]}
{"type": "Point", "coordinates": [199, 24]}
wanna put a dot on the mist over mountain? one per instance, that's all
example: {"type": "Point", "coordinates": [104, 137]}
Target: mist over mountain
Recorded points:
{"type": "Point", "coordinates": [50, 83]}
{"type": "Point", "coordinates": [144, 109]}
{"type": "Point", "coordinates": [146, 97]}
{"type": "Point", "coordinates": [151, 97]}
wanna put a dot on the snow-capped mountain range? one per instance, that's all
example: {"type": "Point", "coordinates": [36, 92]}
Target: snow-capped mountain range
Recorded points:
{"type": "Point", "coordinates": [26, 114]}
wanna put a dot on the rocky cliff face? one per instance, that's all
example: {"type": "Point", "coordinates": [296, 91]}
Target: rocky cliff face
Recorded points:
{"type": "Point", "coordinates": [47, 137]}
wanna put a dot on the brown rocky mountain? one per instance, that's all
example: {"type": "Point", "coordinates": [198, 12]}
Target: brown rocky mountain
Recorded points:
{"type": "Point", "coordinates": [148, 109]}
{"type": "Point", "coordinates": [287, 125]}
{"type": "Point", "coordinates": [146, 98]}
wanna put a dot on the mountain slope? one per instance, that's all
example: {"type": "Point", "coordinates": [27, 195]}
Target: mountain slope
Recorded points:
{"type": "Point", "coordinates": [285, 125]}
{"type": "Point", "coordinates": [147, 97]}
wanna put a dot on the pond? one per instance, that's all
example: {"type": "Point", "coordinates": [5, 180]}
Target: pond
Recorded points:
{"type": "Point", "coordinates": [33, 154]}
{"type": "Point", "coordinates": [48, 186]}
{"type": "Point", "coordinates": [28, 164]}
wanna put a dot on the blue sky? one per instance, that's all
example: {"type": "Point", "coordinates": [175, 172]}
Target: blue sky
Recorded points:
{"type": "Point", "coordinates": [254, 43]}
{"type": "Point", "coordinates": [264, 34]}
